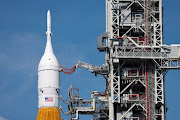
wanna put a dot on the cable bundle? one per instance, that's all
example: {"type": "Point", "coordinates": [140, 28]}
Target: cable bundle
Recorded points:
{"type": "Point", "coordinates": [68, 71]}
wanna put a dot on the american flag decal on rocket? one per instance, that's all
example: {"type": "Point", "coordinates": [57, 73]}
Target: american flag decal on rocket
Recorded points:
{"type": "Point", "coordinates": [48, 99]}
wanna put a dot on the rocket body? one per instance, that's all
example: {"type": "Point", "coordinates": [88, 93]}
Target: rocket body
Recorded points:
{"type": "Point", "coordinates": [48, 81]}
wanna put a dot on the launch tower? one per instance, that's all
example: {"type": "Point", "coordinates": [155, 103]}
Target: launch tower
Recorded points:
{"type": "Point", "coordinates": [136, 63]}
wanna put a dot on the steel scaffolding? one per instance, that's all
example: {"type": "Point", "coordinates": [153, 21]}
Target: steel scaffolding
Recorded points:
{"type": "Point", "coordinates": [136, 63]}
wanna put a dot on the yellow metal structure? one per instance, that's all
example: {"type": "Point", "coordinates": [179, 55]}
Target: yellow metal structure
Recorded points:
{"type": "Point", "coordinates": [48, 114]}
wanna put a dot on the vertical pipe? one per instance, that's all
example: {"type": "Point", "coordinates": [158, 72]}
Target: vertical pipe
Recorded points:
{"type": "Point", "coordinates": [147, 89]}
{"type": "Point", "coordinates": [146, 22]}
{"type": "Point", "coordinates": [147, 82]}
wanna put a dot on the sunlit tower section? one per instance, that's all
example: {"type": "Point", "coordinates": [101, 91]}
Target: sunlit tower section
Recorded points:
{"type": "Point", "coordinates": [136, 63]}
{"type": "Point", "coordinates": [137, 59]}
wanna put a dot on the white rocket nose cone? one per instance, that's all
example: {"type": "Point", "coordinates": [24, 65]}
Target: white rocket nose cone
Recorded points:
{"type": "Point", "coordinates": [48, 12]}
{"type": "Point", "coordinates": [48, 60]}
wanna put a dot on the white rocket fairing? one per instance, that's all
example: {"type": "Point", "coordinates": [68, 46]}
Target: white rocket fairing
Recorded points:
{"type": "Point", "coordinates": [48, 74]}
{"type": "Point", "coordinates": [48, 81]}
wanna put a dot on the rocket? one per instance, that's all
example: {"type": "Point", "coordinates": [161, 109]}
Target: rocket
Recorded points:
{"type": "Point", "coordinates": [48, 81]}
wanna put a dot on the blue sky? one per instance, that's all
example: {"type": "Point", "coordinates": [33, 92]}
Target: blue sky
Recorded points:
{"type": "Point", "coordinates": [75, 27]}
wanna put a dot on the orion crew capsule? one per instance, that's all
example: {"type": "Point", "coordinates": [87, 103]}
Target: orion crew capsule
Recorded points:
{"type": "Point", "coordinates": [48, 81]}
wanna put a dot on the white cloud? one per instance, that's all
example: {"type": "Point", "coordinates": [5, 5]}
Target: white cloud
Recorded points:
{"type": "Point", "coordinates": [2, 118]}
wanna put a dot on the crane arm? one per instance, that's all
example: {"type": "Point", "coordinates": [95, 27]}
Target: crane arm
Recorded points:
{"type": "Point", "coordinates": [103, 70]}
{"type": "Point", "coordinates": [92, 68]}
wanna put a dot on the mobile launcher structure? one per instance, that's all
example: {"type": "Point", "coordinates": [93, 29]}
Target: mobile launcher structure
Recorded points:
{"type": "Point", "coordinates": [136, 63]}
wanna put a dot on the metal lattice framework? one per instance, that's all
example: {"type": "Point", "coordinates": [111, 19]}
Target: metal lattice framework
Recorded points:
{"type": "Point", "coordinates": [136, 62]}
{"type": "Point", "coordinates": [135, 28]}
{"type": "Point", "coordinates": [115, 84]}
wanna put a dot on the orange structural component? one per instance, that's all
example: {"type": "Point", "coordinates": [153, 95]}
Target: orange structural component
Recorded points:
{"type": "Point", "coordinates": [48, 114]}
{"type": "Point", "coordinates": [68, 71]}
